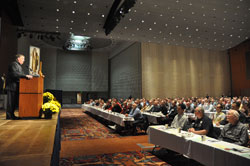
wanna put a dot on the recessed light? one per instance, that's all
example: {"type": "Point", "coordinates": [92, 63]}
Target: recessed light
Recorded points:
{"type": "Point", "coordinates": [103, 15]}
{"type": "Point", "coordinates": [142, 21]}
{"type": "Point", "coordinates": [57, 27]}
{"type": "Point", "coordinates": [88, 14]}
{"type": "Point", "coordinates": [74, 1]}
{"type": "Point", "coordinates": [73, 12]}
{"type": "Point", "coordinates": [70, 28]}
{"type": "Point", "coordinates": [150, 29]}
{"type": "Point", "coordinates": [137, 29]}
{"type": "Point", "coordinates": [57, 10]}
{"type": "Point", "coordinates": [91, 4]}
{"type": "Point", "coordinates": [86, 23]}
{"type": "Point", "coordinates": [130, 19]}
{"type": "Point", "coordinates": [57, 19]}
{"type": "Point", "coordinates": [154, 22]}
{"type": "Point", "coordinates": [72, 21]}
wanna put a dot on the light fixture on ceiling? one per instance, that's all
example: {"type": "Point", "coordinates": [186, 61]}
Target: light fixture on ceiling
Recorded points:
{"type": "Point", "coordinates": [77, 43]}
{"type": "Point", "coordinates": [116, 13]}
{"type": "Point", "coordinates": [40, 35]}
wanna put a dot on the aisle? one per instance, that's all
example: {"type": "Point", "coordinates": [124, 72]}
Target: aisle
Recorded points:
{"type": "Point", "coordinates": [80, 145]}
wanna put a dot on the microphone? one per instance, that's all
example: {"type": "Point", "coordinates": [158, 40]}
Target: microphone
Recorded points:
{"type": "Point", "coordinates": [29, 68]}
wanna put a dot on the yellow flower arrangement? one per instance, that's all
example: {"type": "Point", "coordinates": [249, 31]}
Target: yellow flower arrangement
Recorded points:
{"type": "Point", "coordinates": [56, 103]}
{"type": "Point", "coordinates": [47, 96]}
{"type": "Point", "coordinates": [50, 107]}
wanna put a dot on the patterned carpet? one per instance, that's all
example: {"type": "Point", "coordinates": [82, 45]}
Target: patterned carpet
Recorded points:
{"type": "Point", "coordinates": [76, 125]}
{"type": "Point", "coordinates": [121, 158]}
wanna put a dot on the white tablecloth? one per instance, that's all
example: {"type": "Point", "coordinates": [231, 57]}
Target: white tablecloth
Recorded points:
{"type": "Point", "coordinates": [117, 118]}
{"type": "Point", "coordinates": [153, 117]}
{"type": "Point", "coordinates": [210, 152]}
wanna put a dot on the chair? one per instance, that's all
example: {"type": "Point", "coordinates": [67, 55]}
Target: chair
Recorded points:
{"type": "Point", "coordinates": [143, 125]}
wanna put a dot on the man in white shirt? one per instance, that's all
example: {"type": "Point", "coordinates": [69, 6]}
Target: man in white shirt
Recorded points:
{"type": "Point", "coordinates": [180, 120]}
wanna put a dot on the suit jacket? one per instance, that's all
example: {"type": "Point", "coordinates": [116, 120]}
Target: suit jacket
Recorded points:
{"type": "Point", "coordinates": [15, 72]}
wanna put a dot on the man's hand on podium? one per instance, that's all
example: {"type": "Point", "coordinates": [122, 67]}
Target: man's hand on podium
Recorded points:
{"type": "Point", "coordinates": [29, 76]}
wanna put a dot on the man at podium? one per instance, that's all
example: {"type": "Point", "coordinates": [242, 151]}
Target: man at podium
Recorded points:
{"type": "Point", "coordinates": [15, 72]}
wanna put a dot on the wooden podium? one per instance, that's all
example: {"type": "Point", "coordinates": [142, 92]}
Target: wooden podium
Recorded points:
{"type": "Point", "coordinates": [30, 97]}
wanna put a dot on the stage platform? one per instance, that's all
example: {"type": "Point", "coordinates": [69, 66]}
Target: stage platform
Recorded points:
{"type": "Point", "coordinates": [29, 142]}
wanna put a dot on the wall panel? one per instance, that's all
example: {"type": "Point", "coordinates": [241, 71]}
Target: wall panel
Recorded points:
{"type": "Point", "coordinates": [174, 71]}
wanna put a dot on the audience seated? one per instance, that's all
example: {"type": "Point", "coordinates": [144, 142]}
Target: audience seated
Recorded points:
{"type": "Point", "coordinates": [234, 131]}
{"type": "Point", "coordinates": [219, 115]}
{"type": "Point", "coordinates": [156, 107]}
{"type": "Point", "coordinates": [242, 117]}
{"type": "Point", "coordinates": [202, 125]}
{"type": "Point", "coordinates": [180, 120]}
{"type": "Point", "coordinates": [136, 114]}
{"type": "Point", "coordinates": [170, 107]}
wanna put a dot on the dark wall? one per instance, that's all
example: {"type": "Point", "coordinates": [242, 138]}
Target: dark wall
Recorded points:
{"type": "Point", "coordinates": [125, 73]}
{"type": "Point", "coordinates": [8, 42]}
{"type": "Point", "coordinates": [239, 63]}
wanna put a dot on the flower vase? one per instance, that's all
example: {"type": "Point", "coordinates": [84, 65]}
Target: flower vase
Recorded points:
{"type": "Point", "coordinates": [47, 114]}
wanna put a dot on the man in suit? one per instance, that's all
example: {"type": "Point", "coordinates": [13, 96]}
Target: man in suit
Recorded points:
{"type": "Point", "coordinates": [15, 72]}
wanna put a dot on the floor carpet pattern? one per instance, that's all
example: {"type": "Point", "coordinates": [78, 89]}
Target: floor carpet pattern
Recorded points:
{"type": "Point", "coordinates": [133, 158]}
{"type": "Point", "coordinates": [77, 125]}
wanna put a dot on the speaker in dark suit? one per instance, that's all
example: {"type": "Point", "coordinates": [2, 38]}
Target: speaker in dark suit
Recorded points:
{"type": "Point", "coordinates": [15, 72]}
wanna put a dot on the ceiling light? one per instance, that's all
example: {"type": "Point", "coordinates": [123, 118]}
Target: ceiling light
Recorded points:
{"type": "Point", "coordinates": [73, 12]}
{"type": "Point", "coordinates": [74, 1]}
{"type": "Point", "coordinates": [57, 19]}
{"type": "Point", "coordinates": [57, 10]}
{"type": "Point", "coordinates": [103, 15]}
{"type": "Point", "coordinates": [77, 43]}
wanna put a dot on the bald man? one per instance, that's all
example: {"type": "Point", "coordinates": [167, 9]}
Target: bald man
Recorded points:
{"type": "Point", "coordinates": [234, 132]}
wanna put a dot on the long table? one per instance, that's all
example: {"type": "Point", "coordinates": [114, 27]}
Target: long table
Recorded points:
{"type": "Point", "coordinates": [210, 152]}
{"type": "Point", "coordinates": [153, 117]}
{"type": "Point", "coordinates": [117, 118]}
